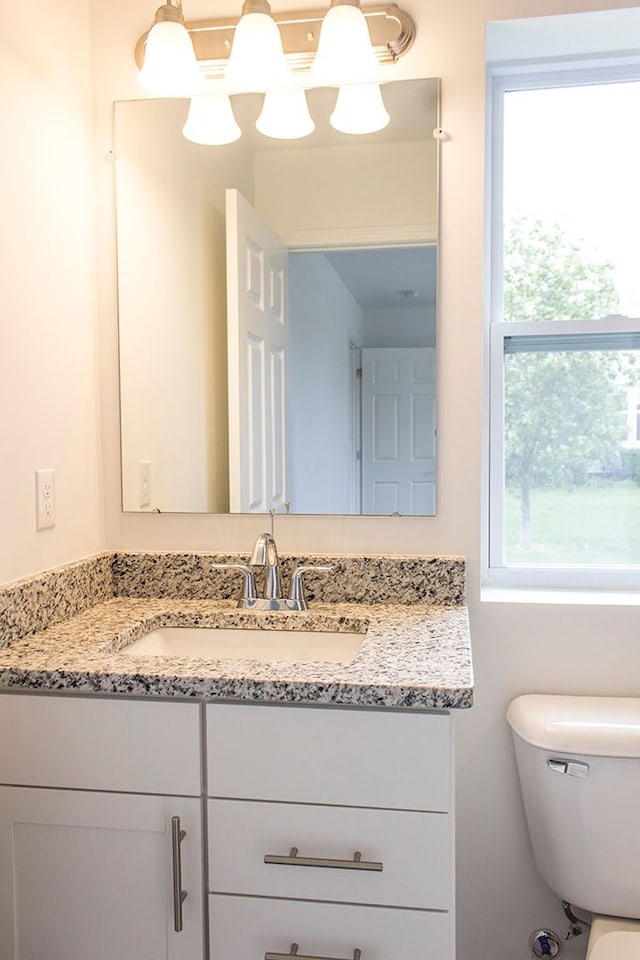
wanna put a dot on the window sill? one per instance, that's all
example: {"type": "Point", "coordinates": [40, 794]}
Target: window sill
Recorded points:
{"type": "Point", "coordinates": [612, 598]}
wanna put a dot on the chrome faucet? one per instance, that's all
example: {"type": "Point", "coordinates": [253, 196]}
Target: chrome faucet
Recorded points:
{"type": "Point", "coordinates": [265, 554]}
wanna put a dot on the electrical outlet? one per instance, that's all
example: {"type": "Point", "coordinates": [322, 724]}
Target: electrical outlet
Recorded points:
{"type": "Point", "coordinates": [45, 499]}
{"type": "Point", "coordinates": [144, 483]}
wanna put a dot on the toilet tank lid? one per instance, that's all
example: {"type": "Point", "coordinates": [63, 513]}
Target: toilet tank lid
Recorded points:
{"type": "Point", "coordinates": [595, 726]}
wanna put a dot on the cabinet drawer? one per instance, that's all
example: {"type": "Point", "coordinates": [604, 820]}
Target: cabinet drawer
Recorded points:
{"type": "Point", "coordinates": [244, 929]}
{"type": "Point", "coordinates": [95, 744]}
{"type": "Point", "coordinates": [339, 756]}
{"type": "Point", "coordinates": [413, 848]}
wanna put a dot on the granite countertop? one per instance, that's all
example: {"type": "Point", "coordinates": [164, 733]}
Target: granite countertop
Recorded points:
{"type": "Point", "coordinates": [415, 655]}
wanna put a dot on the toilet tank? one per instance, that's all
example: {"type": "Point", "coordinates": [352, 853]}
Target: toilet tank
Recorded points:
{"type": "Point", "coordinates": [579, 766]}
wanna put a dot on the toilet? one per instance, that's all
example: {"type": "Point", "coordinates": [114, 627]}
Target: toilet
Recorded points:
{"type": "Point", "coordinates": [579, 767]}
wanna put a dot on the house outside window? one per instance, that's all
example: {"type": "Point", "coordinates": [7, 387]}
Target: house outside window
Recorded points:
{"type": "Point", "coordinates": [634, 419]}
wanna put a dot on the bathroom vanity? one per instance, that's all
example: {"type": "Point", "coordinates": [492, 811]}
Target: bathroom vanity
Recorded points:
{"type": "Point", "coordinates": [305, 809]}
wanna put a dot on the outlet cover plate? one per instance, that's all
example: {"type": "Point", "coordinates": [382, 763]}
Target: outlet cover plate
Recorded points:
{"type": "Point", "coordinates": [45, 499]}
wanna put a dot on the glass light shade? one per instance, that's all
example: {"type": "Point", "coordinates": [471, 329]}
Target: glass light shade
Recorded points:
{"type": "Point", "coordinates": [256, 62]}
{"type": "Point", "coordinates": [285, 115]}
{"type": "Point", "coordinates": [344, 54]}
{"type": "Point", "coordinates": [211, 122]}
{"type": "Point", "coordinates": [359, 109]}
{"type": "Point", "coordinates": [170, 68]}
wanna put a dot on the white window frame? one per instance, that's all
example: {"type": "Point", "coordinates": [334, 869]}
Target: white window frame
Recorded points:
{"type": "Point", "coordinates": [495, 572]}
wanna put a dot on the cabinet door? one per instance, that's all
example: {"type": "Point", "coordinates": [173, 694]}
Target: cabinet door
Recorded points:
{"type": "Point", "coordinates": [90, 875]}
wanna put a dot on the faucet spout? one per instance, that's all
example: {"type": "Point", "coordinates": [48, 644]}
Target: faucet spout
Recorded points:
{"type": "Point", "coordinates": [265, 554]}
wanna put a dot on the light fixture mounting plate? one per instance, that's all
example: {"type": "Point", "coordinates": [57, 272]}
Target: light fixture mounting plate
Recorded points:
{"type": "Point", "coordinates": [392, 33]}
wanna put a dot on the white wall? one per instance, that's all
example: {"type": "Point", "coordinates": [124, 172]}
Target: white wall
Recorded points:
{"type": "Point", "coordinates": [307, 194]}
{"type": "Point", "coordinates": [400, 326]}
{"type": "Point", "coordinates": [517, 648]}
{"type": "Point", "coordinates": [48, 400]}
{"type": "Point", "coordinates": [325, 319]}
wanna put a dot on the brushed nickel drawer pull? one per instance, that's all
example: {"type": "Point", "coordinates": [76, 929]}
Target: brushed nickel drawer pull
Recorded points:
{"type": "Point", "coordinates": [179, 895]}
{"type": "Point", "coordinates": [294, 860]}
{"type": "Point", "coordinates": [293, 952]}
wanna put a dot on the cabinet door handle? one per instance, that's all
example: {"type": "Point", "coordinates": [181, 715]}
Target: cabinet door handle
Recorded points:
{"type": "Point", "coordinates": [293, 952]}
{"type": "Point", "coordinates": [293, 860]}
{"type": "Point", "coordinates": [179, 895]}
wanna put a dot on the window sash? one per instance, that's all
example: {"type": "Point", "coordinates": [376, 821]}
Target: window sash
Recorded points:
{"type": "Point", "coordinates": [608, 333]}
{"type": "Point", "coordinates": [511, 78]}
{"type": "Point", "coordinates": [579, 342]}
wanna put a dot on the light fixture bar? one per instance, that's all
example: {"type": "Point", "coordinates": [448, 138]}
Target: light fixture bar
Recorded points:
{"type": "Point", "coordinates": [392, 32]}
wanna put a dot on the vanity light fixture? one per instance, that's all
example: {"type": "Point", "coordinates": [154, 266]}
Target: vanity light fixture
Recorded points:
{"type": "Point", "coordinates": [285, 115]}
{"type": "Point", "coordinates": [210, 121]}
{"type": "Point", "coordinates": [359, 109]}
{"type": "Point", "coordinates": [170, 67]}
{"type": "Point", "coordinates": [345, 57]}
{"type": "Point", "coordinates": [261, 51]}
{"type": "Point", "coordinates": [345, 54]}
{"type": "Point", "coordinates": [256, 62]}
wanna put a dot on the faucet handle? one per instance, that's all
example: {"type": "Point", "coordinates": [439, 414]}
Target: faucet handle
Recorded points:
{"type": "Point", "coordinates": [296, 591]}
{"type": "Point", "coordinates": [249, 586]}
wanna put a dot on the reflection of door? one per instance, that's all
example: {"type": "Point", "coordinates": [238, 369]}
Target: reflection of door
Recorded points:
{"type": "Point", "coordinates": [355, 450]}
{"type": "Point", "coordinates": [398, 431]}
{"type": "Point", "coordinates": [257, 329]}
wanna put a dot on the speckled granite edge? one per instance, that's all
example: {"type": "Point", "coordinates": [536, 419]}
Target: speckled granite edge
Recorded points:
{"type": "Point", "coordinates": [370, 579]}
{"type": "Point", "coordinates": [41, 601]}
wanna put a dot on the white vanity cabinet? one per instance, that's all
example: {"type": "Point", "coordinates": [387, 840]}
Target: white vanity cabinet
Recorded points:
{"type": "Point", "coordinates": [330, 829]}
{"type": "Point", "coordinates": [100, 829]}
{"type": "Point", "coordinates": [326, 827]}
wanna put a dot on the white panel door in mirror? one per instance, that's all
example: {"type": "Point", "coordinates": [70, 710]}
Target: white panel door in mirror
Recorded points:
{"type": "Point", "coordinates": [398, 464]}
{"type": "Point", "coordinates": [257, 347]}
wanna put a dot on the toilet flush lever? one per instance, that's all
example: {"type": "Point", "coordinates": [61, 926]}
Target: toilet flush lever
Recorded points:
{"type": "Point", "coordinates": [573, 768]}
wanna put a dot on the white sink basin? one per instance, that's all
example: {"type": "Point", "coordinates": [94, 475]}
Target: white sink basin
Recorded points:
{"type": "Point", "coordinates": [215, 643]}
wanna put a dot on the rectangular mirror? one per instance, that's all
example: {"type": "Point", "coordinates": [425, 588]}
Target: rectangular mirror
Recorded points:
{"type": "Point", "coordinates": [277, 307]}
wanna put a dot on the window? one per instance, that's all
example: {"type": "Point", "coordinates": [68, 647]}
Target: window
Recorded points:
{"type": "Point", "coordinates": [564, 340]}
